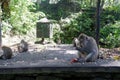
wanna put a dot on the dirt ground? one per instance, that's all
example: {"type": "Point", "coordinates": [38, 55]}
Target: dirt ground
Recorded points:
{"type": "Point", "coordinates": [12, 42]}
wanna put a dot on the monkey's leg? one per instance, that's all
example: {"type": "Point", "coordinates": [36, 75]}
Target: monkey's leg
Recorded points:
{"type": "Point", "coordinates": [82, 55]}
{"type": "Point", "coordinates": [90, 57]}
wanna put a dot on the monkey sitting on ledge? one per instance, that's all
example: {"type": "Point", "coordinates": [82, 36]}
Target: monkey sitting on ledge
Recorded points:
{"type": "Point", "coordinates": [87, 47]}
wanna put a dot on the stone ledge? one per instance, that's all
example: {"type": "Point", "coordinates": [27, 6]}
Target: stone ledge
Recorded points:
{"type": "Point", "coordinates": [55, 60]}
{"type": "Point", "coordinates": [61, 70]}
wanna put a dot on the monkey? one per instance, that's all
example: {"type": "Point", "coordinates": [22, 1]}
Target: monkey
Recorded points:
{"type": "Point", "coordinates": [6, 53]}
{"type": "Point", "coordinates": [22, 46]}
{"type": "Point", "coordinates": [87, 46]}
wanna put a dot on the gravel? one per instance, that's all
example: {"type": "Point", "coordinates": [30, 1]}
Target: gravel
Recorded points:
{"type": "Point", "coordinates": [51, 56]}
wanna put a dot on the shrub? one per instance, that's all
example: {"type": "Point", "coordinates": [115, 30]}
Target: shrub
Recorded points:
{"type": "Point", "coordinates": [81, 24]}
{"type": "Point", "coordinates": [110, 35]}
{"type": "Point", "coordinates": [21, 19]}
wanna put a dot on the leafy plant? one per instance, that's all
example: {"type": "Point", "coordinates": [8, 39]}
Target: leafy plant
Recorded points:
{"type": "Point", "coordinates": [110, 35]}
{"type": "Point", "coordinates": [21, 19]}
{"type": "Point", "coordinates": [81, 24]}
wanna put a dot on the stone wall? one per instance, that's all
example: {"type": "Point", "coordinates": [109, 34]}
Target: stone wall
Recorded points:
{"type": "Point", "coordinates": [62, 76]}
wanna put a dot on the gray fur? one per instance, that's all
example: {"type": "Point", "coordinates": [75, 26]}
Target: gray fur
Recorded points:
{"type": "Point", "coordinates": [88, 46]}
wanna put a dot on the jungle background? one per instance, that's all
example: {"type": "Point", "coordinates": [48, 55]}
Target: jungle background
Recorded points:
{"type": "Point", "coordinates": [71, 17]}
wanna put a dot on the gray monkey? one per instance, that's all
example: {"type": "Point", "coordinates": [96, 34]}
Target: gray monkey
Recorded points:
{"type": "Point", "coordinates": [22, 46]}
{"type": "Point", "coordinates": [87, 47]}
{"type": "Point", "coordinates": [6, 53]}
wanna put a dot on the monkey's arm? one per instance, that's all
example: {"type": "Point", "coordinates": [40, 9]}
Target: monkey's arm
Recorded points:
{"type": "Point", "coordinates": [82, 49]}
{"type": "Point", "coordinates": [89, 57]}
{"type": "Point", "coordinates": [81, 60]}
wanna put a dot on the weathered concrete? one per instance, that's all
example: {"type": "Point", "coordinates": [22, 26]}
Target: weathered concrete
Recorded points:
{"type": "Point", "coordinates": [55, 61]}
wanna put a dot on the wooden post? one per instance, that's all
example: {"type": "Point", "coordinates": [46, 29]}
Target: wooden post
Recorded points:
{"type": "Point", "coordinates": [98, 21]}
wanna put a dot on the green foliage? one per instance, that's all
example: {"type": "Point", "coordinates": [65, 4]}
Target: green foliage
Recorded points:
{"type": "Point", "coordinates": [56, 33]}
{"type": "Point", "coordinates": [110, 35]}
{"type": "Point", "coordinates": [62, 9]}
{"type": "Point", "coordinates": [81, 24]}
{"type": "Point", "coordinates": [21, 19]}
{"type": "Point", "coordinates": [85, 24]}
{"type": "Point", "coordinates": [110, 26]}
{"type": "Point", "coordinates": [69, 32]}
{"type": "Point", "coordinates": [113, 12]}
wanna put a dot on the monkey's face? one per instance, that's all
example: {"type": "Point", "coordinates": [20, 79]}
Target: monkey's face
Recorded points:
{"type": "Point", "coordinates": [83, 39]}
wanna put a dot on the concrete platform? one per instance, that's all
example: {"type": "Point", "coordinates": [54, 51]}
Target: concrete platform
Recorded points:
{"type": "Point", "coordinates": [54, 59]}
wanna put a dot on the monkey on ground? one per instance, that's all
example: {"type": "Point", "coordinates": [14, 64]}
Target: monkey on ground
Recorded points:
{"type": "Point", "coordinates": [22, 46]}
{"type": "Point", "coordinates": [6, 53]}
{"type": "Point", "coordinates": [87, 47]}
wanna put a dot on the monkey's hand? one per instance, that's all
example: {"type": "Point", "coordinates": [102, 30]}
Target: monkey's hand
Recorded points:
{"type": "Point", "coordinates": [74, 60]}
{"type": "Point", "coordinates": [82, 49]}
{"type": "Point", "coordinates": [79, 49]}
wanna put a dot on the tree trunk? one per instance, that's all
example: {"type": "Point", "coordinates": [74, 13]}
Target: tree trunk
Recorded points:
{"type": "Point", "coordinates": [98, 21]}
